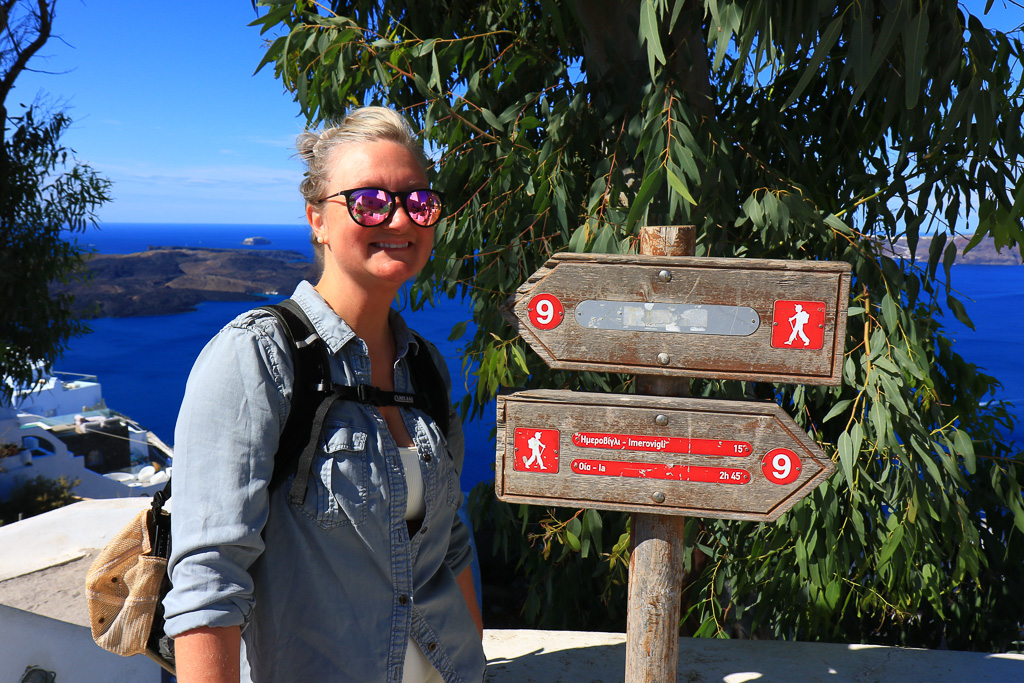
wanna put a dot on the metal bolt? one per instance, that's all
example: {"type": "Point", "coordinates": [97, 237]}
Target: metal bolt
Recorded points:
{"type": "Point", "coordinates": [661, 420]}
{"type": "Point", "coordinates": [665, 276]}
{"type": "Point", "coordinates": [664, 358]}
{"type": "Point", "coordinates": [658, 497]}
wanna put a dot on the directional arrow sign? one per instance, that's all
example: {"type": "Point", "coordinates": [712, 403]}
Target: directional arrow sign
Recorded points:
{"type": "Point", "coordinates": [683, 456]}
{"type": "Point", "coordinates": [749, 319]}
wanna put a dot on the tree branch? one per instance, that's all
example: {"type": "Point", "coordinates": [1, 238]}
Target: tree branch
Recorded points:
{"type": "Point", "coordinates": [44, 26]}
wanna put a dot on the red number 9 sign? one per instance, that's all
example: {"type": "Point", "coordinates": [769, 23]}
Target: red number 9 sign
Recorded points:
{"type": "Point", "coordinates": [781, 466]}
{"type": "Point", "coordinates": [545, 312]}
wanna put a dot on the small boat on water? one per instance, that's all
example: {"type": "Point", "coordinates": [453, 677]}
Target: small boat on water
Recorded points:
{"type": "Point", "coordinates": [58, 425]}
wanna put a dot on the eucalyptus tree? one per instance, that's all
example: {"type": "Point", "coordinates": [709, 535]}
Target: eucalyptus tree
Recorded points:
{"type": "Point", "coordinates": [800, 129]}
{"type": "Point", "coordinates": [43, 192]}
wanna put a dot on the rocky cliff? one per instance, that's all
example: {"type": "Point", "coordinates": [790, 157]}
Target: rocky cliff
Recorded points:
{"type": "Point", "coordinates": [984, 254]}
{"type": "Point", "coordinates": [165, 280]}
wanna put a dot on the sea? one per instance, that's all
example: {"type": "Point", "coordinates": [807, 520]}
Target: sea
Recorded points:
{"type": "Point", "coordinates": [143, 363]}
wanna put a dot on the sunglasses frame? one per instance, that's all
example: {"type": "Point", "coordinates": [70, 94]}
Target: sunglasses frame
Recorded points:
{"type": "Point", "coordinates": [396, 199]}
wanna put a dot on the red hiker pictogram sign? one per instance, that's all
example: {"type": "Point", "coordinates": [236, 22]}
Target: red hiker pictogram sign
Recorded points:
{"type": "Point", "coordinates": [798, 325]}
{"type": "Point", "coordinates": [536, 450]}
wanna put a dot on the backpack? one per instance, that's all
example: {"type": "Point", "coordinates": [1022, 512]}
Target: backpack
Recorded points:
{"type": "Point", "coordinates": [128, 580]}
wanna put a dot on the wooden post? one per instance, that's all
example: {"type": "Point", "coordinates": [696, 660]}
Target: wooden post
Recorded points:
{"type": "Point", "coordinates": [656, 563]}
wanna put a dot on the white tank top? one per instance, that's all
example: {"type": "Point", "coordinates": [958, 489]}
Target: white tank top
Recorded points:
{"type": "Point", "coordinates": [416, 506]}
{"type": "Point", "coordinates": [418, 668]}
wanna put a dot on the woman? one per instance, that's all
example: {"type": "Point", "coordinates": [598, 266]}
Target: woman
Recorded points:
{"type": "Point", "coordinates": [369, 579]}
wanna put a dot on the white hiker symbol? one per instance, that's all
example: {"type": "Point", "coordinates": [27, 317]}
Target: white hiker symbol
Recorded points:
{"type": "Point", "coordinates": [536, 449]}
{"type": "Point", "coordinates": [797, 321]}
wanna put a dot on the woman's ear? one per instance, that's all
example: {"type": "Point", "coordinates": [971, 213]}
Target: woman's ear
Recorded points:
{"type": "Point", "coordinates": [316, 223]}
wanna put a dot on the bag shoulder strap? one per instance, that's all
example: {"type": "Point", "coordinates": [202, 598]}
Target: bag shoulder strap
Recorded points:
{"type": "Point", "coordinates": [311, 370]}
{"type": "Point", "coordinates": [426, 375]}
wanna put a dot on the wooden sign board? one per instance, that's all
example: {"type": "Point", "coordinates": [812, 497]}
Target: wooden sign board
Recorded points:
{"type": "Point", "coordinates": [748, 319]}
{"type": "Point", "coordinates": [680, 456]}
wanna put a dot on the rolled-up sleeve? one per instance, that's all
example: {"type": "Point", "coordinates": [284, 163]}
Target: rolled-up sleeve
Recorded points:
{"type": "Point", "coordinates": [226, 436]}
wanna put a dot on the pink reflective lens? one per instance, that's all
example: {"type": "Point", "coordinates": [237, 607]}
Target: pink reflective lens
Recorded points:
{"type": "Point", "coordinates": [371, 207]}
{"type": "Point", "coordinates": [424, 207]}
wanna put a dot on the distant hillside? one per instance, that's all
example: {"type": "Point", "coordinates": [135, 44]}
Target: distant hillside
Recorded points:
{"type": "Point", "coordinates": [165, 280]}
{"type": "Point", "coordinates": [984, 254]}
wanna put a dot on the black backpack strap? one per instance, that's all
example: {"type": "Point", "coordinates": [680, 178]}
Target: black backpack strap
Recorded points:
{"type": "Point", "coordinates": [427, 378]}
{"type": "Point", "coordinates": [311, 370]}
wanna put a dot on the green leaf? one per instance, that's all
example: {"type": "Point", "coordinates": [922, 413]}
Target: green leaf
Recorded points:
{"type": "Point", "coordinates": [677, 184]}
{"type": "Point", "coordinates": [915, 38]}
{"type": "Point", "coordinates": [651, 33]}
{"type": "Point", "coordinates": [492, 120]}
{"type": "Point", "coordinates": [948, 257]}
{"type": "Point", "coordinates": [959, 311]}
{"type": "Point", "coordinates": [595, 526]}
{"type": "Point", "coordinates": [965, 449]}
{"type": "Point", "coordinates": [847, 458]}
{"type": "Point", "coordinates": [891, 544]}
{"type": "Point", "coordinates": [832, 594]}
{"type": "Point", "coordinates": [519, 359]}
{"type": "Point", "coordinates": [604, 243]}
{"type": "Point", "coordinates": [574, 526]}
{"type": "Point", "coordinates": [890, 314]}
{"type": "Point", "coordinates": [578, 241]}
{"type": "Point", "coordinates": [837, 409]}
{"type": "Point", "coordinates": [893, 394]}
{"type": "Point", "coordinates": [643, 197]}
{"type": "Point", "coordinates": [821, 51]}
{"type": "Point", "coordinates": [838, 225]}
{"type": "Point", "coordinates": [880, 53]}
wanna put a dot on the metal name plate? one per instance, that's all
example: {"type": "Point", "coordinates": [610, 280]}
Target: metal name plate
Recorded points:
{"type": "Point", "coordinates": [734, 321]}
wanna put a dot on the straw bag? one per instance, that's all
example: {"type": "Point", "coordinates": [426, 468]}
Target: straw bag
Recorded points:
{"type": "Point", "coordinates": [126, 584]}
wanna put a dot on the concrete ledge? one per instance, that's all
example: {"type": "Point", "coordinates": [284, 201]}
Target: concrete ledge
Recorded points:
{"type": "Point", "coordinates": [65, 534]}
{"type": "Point", "coordinates": [30, 640]}
{"type": "Point", "coordinates": [581, 657]}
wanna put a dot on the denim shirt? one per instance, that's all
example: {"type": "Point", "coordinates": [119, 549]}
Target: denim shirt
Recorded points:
{"type": "Point", "coordinates": [332, 589]}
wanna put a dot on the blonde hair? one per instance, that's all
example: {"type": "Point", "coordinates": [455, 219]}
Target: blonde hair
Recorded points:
{"type": "Point", "coordinates": [366, 124]}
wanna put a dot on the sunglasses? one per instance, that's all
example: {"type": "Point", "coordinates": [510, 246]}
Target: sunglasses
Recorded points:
{"type": "Point", "coordinates": [370, 206]}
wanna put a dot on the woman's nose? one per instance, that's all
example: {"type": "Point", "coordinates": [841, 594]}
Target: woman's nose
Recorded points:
{"type": "Point", "coordinates": [400, 218]}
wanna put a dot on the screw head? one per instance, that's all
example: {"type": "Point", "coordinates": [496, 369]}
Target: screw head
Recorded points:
{"type": "Point", "coordinates": [658, 497]}
{"type": "Point", "coordinates": [664, 358]}
{"type": "Point", "coordinates": [665, 276]}
{"type": "Point", "coordinates": [661, 420]}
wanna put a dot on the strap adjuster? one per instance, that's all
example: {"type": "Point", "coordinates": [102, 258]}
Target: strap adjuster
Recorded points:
{"type": "Point", "coordinates": [368, 394]}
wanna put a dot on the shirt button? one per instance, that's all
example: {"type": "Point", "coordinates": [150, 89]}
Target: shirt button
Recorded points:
{"type": "Point", "coordinates": [403, 599]}
{"type": "Point", "coordinates": [427, 457]}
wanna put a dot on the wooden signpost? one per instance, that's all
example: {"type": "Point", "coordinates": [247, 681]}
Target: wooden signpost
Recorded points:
{"type": "Point", "coordinates": [662, 456]}
{"type": "Point", "coordinates": [669, 456]}
{"type": "Point", "coordinates": [749, 319]}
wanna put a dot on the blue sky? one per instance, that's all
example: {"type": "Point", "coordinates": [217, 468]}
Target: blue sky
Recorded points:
{"type": "Point", "coordinates": [165, 104]}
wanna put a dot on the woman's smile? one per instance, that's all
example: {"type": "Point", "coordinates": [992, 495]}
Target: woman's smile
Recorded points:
{"type": "Point", "coordinates": [391, 245]}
